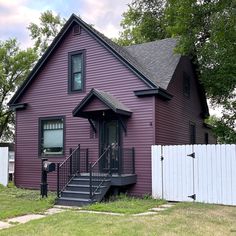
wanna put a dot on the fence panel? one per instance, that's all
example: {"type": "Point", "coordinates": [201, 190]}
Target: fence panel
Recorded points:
{"type": "Point", "coordinates": [177, 173]}
{"type": "Point", "coordinates": [208, 175]}
{"type": "Point", "coordinates": [4, 166]}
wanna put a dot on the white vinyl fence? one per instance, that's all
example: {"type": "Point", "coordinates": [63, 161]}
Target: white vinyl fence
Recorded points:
{"type": "Point", "coordinates": [4, 166]}
{"type": "Point", "coordinates": [205, 173]}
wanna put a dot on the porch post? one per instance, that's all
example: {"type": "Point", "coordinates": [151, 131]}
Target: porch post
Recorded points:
{"type": "Point", "coordinates": [87, 164]}
{"type": "Point", "coordinates": [133, 159]}
{"type": "Point", "coordinates": [120, 157]}
{"type": "Point", "coordinates": [71, 161]}
{"type": "Point", "coordinates": [58, 176]}
{"type": "Point", "coordinates": [90, 182]}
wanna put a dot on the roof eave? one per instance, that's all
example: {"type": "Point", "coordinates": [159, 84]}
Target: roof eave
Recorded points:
{"type": "Point", "coordinates": [18, 106]}
{"type": "Point", "coordinates": [159, 92]}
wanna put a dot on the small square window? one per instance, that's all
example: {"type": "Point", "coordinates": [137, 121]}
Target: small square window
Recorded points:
{"type": "Point", "coordinates": [51, 136]}
{"type": "Point", "coordinates": [76, 30]}
{"type": "Point", "coordinates": [76, 71]}
{"type": "Point", "coordinates": [186, 85]}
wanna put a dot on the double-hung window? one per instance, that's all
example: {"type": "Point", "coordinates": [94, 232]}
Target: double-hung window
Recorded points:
{"type": "Point", "coordinates": [76, 71]}
{"type": "Point", "coordinates": [52, 136]}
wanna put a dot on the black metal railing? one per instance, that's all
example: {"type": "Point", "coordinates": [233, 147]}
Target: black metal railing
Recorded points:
{"type": "Point", "coordinates": [96, 174]}
{"type": "Point", "coordinates": [75, 163]}
{"type": "Point", "coordinates": [126, 161]}
{"type": "Point", "coordinates": [113, 160]}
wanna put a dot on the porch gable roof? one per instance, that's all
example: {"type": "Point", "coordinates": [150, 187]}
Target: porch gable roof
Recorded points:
{"type": "Point", "coordinates": [110, 101]}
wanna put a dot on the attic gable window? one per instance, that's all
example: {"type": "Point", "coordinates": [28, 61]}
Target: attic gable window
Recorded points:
{"type": "Point", "coordinates": [186, 85]}
{"type": "Point", "coordinates": [76, 71]}
{"type": "Point", "coordinates": [76, 30]}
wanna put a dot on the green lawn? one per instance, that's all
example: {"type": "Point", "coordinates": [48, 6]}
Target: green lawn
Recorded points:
{"type": "Point", "coordinates": [126, 205]}
{"type": "Point", "coordinates": [15, 201]}
{"type": "Point", "coordinates": [183, 219]}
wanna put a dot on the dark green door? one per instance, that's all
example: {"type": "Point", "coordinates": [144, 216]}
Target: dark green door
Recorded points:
{"type": "Point", "coordinates": [110, 138]}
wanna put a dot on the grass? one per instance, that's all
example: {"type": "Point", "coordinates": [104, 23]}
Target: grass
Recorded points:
{"type": "Point", "coordinates": [183, 219]}
{"type": "Point", "coordinates": [15, 202]}
{"type": "Point", "coordinates": [126, 205]}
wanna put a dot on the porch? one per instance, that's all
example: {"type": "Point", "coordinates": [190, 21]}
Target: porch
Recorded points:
{"type": "Point", "coordinates": [81, 181]}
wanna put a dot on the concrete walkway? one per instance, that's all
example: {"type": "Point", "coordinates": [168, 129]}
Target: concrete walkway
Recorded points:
{"type": "Point", "coordinates": [58, 209]}
{"type": "Point", "coordinates": [154, 211]}
{"type": "Point", "coordinates": [26, 218]}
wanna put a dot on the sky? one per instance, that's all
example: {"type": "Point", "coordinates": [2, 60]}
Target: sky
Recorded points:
{"type": "Point", "coordinates": [16, 15]}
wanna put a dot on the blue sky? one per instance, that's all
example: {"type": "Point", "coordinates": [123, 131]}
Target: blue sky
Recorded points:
{"type": "Point", "coordinates": [16, 15]}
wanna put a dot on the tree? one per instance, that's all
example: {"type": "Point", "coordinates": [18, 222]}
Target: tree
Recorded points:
{"type": "Point", "coordinates": [143, 22]}
{"type": "Point", "coordinates": [15, 65]}
{"type": "Point", "coordinates": [206, 32]}
{"type": "Point", "coordinates": [223, 132]}
{"type": "Point", "coordinates": [44, 33]}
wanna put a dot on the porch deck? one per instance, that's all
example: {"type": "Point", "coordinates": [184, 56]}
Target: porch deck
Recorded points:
{"type": "Point", "coordinates": [116, 179]}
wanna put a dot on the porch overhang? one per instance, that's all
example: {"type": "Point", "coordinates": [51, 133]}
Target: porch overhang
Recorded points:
{"type": "Point", "coordinates": [99, 104]}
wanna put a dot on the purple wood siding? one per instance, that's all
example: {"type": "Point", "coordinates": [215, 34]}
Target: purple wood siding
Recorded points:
{"type": "Point", "coordinates": [173, 117]}
{"type": "Point", "coordinates": [48, 96]}
{"type": "Point", "coordinates": [95, 105]}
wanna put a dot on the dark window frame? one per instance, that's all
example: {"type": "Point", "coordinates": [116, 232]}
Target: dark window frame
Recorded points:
{"type": "Point", "coordinates": [186, 85]}
{"type": "Point", "coordinates": [40, 132]}
{"type": "Point", "coordinates": [70, 72]}
{"type": "Point", "coordinates": [206, 138]}
{"type": "Point", "coordinates": [192, 132]}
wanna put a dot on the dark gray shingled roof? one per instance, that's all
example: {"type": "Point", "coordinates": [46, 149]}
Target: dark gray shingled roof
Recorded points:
{"type": "Point", "coordinates": [159, 59]}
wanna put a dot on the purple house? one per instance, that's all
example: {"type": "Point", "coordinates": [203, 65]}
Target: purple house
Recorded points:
{"type": "Point", "coordinates": [95, 108]}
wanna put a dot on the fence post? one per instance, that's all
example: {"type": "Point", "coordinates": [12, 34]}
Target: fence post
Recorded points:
{"type": "Point", "coordinates": [71, 161]}
{"type": "Point", "coordinates": [58, 180]}
{"type": "Point", "coordinates": [133, 159]}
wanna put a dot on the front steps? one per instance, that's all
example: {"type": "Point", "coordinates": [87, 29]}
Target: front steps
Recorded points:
{"type": "Point", "coordinates": [77, 192]}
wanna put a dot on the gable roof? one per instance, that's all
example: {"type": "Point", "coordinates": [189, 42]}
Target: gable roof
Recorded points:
{"type": "Point", "coordinates": [110, 101]}
{"type": "Point", "coordinates": [139, 67]}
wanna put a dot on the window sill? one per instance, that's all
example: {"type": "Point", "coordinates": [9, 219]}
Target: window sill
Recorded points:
{"type": "Point", "coordinates": [76, 91]}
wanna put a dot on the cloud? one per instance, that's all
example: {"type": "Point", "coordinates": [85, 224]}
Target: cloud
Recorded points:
{"type": "Point", "coordinates": [16, 15]}
{"type": "Point", "coordinates": [105, 15]}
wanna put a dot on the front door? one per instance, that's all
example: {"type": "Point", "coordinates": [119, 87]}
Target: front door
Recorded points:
{"type": "Point", "coordinates": [110, 146]}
